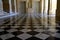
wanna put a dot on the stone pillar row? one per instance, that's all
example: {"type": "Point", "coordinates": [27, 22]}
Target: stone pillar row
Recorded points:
{"type": "Point", "coordinates": [52, 13]}
{"type": "Point", "coordinates": [47, 9]}
{"type": "Point", "coordinates": [10, 2]}
{"type": "Point", "coordinates": [49, 13]}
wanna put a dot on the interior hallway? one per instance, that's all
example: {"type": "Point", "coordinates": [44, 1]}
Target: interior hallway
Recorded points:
{"type": "Point", "coordinates": [28, 23]}
{"type": "Point", "coordinates": [28, 27]}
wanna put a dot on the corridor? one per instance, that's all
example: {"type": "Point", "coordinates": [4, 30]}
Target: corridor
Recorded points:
{"type": "Point", "coordinates": [29, 20]}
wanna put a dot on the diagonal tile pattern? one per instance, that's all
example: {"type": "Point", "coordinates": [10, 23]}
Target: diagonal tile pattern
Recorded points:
{"type": "Point", "coordinates": [28, 28]}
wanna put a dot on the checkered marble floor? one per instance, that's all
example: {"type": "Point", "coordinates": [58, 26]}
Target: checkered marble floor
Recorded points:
{"type": "Point", "coordinates": [21, 33]}
{"type": "Point", "coordinates": [23, 29]}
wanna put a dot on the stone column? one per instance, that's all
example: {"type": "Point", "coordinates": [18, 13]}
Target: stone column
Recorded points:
{"type": "Point", "coordinates": [42, 6]}
{"type": "Point", "coordinates": [52, 13]}
{"type": "Point", "coordinates": [45, 15]}
{"type": "Point", "coordinates": [10, 6]}
{"type": "Point", "coordinates": [11, 19]}
{"type": "Point", "coordinates": [1, 8]}
{"type": "Point", "coordinates": [15, 6]}
{"type": "Point", "coordinates": [16, 17]}
{"type": "Point", "coordinates": [27, 6]}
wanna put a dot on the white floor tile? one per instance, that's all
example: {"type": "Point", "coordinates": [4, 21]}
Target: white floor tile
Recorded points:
{"type": "Point", "coordinates": [24, 36]}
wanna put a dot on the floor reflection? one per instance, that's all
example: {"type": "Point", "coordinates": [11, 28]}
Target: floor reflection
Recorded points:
{"type": "Point", "coordinates": [29, 27]}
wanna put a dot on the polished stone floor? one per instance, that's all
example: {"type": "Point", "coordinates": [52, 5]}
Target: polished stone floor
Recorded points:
{"type": "Point", "coordinates": [28, 27]}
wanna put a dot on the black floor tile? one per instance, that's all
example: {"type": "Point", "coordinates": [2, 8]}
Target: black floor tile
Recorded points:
{"type": "Point", "coordinates": [50, 38]}
{"type": "Point", "coordinates": [20, 28]}
{"type": "Point", "coordinates": [3, 32]}
{"type": "Point", "coordinates": [58, 28]}
{"type": "Point", "coordinates": [57, 38]}
{"type": "Point", "coordinates": [7, 28]}
{"type": "Point", "coordinates": [32, 32]}
{"type": "Point", "coordinates": [14, 38]}
{"type": "Point", "coordinates": [58, 31]}
{"type": "Point", "coordinates": [0, 39]}
{"type": "Point", "coordinates": [17, 33]}
{"type": "Point", "coordinates": [33, 38]}
{"type": "Point", "coordinates": [53, 38]}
